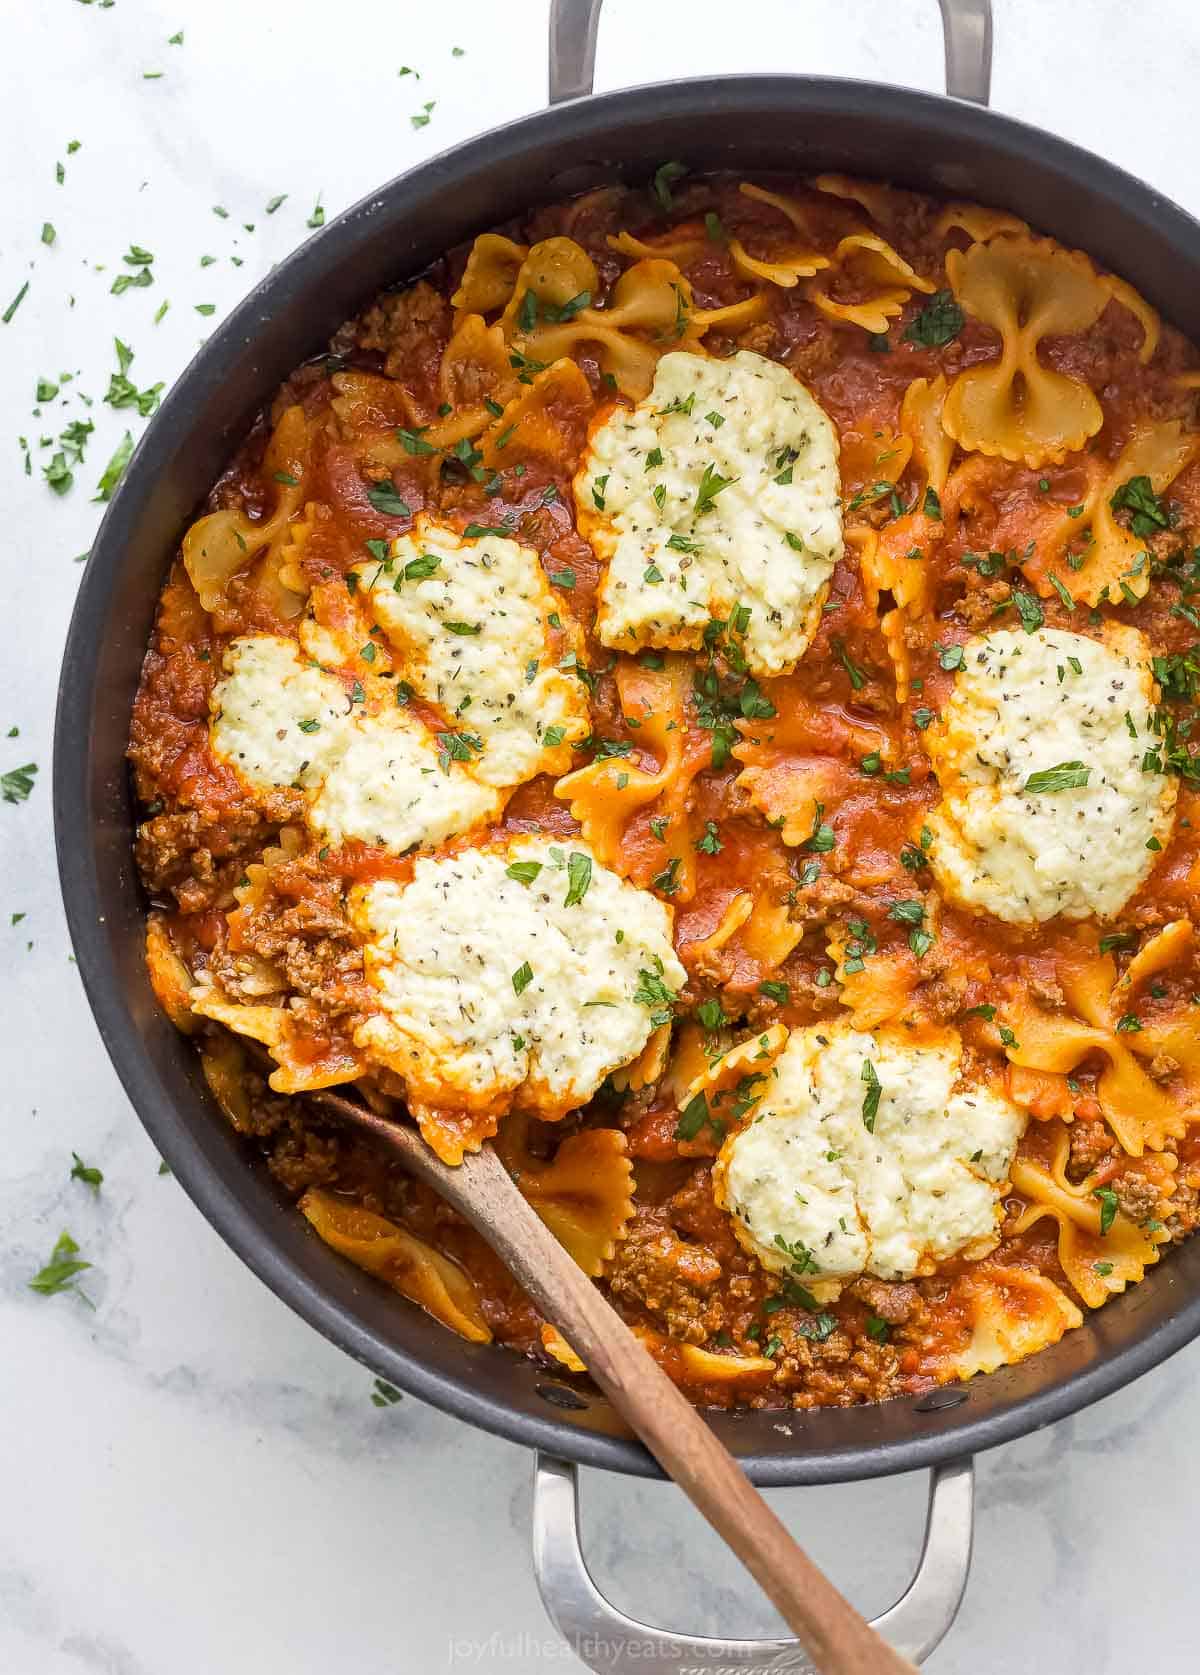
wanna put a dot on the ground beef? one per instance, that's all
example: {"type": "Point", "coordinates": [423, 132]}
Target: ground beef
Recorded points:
{"type": "Point", "coordinates": [1162, 1065]}
{"type": "Point", "coordinates": [840, 1375]}
{"type": "Point", "coordinates": [301, 1158]}
{"type": "Point", "coordinates": [1137, 1196]}
{"type": "Point", "coordinates": [977, 608]}
{"type": "Point", "coordinates": [672, 1280]}
{"type": "Point", "coordinates": [409, 329]}
{"type": "Point", "coordinates": [893, 1303]}
{"type": "Point", "coordinates": [186, 844]}
{"type": "Point", "coordinates": [1090, 1143]}
{"type": "Point", "coordinates": [1047, 994]}
{"type": "Point", "coordinates": [943, 997]}
{"type": "Point", "coordinates": [1185, 1212]}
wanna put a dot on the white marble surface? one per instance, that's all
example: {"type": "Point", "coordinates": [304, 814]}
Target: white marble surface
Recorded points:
{"type": "Point", "coordinates": [190, 1479]}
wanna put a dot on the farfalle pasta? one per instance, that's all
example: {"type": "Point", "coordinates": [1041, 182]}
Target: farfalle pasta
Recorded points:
{"type": "Point", "coordinates": [700, 692]}
{"type": "Point", "coordinates": [1018, 407]}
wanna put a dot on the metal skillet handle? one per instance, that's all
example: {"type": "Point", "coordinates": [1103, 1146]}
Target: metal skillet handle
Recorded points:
{"type": "Point", "coordinates": [609, 1642]}
{"type": "Point", "coordinates": [967, 25]}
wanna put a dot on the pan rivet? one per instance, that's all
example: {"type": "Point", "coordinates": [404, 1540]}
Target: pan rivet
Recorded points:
{"type": "Point", "coordinates": [559, 1396]}
{"type": "Point", "coordinates": [938, 1400]}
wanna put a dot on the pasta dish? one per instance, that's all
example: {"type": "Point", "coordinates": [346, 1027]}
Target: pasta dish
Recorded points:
{"type": "Point", "coordinates": [698, 691]}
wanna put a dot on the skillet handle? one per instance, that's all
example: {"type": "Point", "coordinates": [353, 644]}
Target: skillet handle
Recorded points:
{"type": "Point", "coordinates": [611, 1643]}
{"type": "Point", "coordinates": [967, 25]}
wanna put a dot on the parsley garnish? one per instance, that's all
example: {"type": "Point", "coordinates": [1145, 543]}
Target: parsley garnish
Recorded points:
{"type": "Point", "coordinates": [579, 876]}
{"type": "Point", "coordinates": [522, 977]}
{"type": "Point", "coordinates": [524, 872]}
{"type": "Point", "coordinates": [870, 1104]}
{"type": "Point", "coordinates": [822, 839]}
{"type": "Point", "coordinates": [710, 843]}
{"type": "Point", "coordinates": [1067, 776]}
{"type": "Point", "coordinates": [383, 498]}
{"type": "Point", "coordinates": [1108, 1207]}
{"type": "Point", "coordinates": [938, 323]}
{"type": "Point", "coordinates": [711, 484]}
{"type": "Point", "coordinates": [1148, 514]}
{"type": "Point", "coordinates": [1030, 612]}
{"type": "Point", "coordinates": [653, 993]}
{"type": "Point", "coordinates": [665, 177]}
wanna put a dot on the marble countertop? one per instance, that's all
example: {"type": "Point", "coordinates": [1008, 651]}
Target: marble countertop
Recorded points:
{"type": "Point", "coordinates": [193, 1479]}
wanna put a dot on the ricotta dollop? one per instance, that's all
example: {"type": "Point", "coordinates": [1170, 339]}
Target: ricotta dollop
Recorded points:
{"type": "Point", "coordinates": [1046, 808]}
{"type": "Point", "coordinates": [868, 1153]}
{"type": "Point", "coordinates": [717, 497]}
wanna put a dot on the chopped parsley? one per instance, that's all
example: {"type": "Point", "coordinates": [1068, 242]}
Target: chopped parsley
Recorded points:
{"type": "Point", "coordinates": [17, 783]}
{"type": "Point", "coordinates": [1067, 776]}
{"type": "Point", "coordinates": [81, 1171]}
{"type": "Point", "coordinates": [653, 993]}
{"type": "Point", "coordinates": [711, 485]}
{"type": "Point", "coordinates": [938, 323]}
{"type": "Point", "coordinates": [60, 1272]}
{"type": "Point", "coordinates": [524, 872]}
{"type": "Point", "coordinates": [1028, 609]}
{"type": "Point", "coordinates": [579, 876]}
{"type": "Point", "coordinates": [870, 1104]}
{"type": "Point", "coordinates": [383, 498]}
{"type": "Point", "coordinates": [665, 177]}
{"type": "Point", "coordinates": [1108, 1207]}
{"type": "Point", "coordinates": [522, 977]}
{"type": "Point", "coordinates": [1148, 515]}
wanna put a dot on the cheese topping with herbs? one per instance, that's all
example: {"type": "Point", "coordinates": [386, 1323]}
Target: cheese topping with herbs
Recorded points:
{"type": "Point", "coordinates": [368, 768]}
{"type": "Point", "coordinates": [1046, 806]}
{"type": "Point", "coordinates": [472, 622]}
{"type": "Point", "coordinates": [719, 493]}
{"type": "Point", "coordinates": [523, 972]}
{"type": "Point", "coordinates": [868, 1154]}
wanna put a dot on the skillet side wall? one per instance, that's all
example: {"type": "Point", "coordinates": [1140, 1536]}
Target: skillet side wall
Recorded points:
{"type": "Point", "coordinates": [753, 123]}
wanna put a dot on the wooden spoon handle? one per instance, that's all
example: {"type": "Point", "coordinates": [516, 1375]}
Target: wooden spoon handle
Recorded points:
{"type": "Point", "coordinates": [835, 1636]}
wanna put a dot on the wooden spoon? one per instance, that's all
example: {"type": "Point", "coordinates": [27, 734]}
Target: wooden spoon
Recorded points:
{"type": "Point", "coordinates": [837, 1639]}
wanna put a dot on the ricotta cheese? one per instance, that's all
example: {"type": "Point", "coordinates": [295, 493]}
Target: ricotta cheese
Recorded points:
{"type": "Point", "coordinates": [720, 490]}
{"type": "Point", "coordinates": [468, 622]}
{"type": "Point", "coordinates": [367, 767]}
{"type": "Point", "coordinates": [868, 1154]}
{"type": "Point", "coordinates": [1046, 808]}
{"type": "Point", "coordinates": [522, 972]}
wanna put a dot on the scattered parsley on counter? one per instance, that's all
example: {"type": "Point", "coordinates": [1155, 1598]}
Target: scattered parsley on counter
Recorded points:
{"type": "Point", "coordinates": [317, 218]}
{"type": "Point", "coordinates": [115, 469]}
{"type": "Point", "coordinates": [122, 392]}
{"type": "Point", "coordinates": [81, 1171]}
{"type": "Point", "coordinates": [60, 1272]}
{"type": "Point", "coordinates": [48, 233]}
{"type": "Point", "coordinates": [421, 120]}
{"type": "Point", "coordinates": [277, 203]}
{"type": "Point", "coordinates": [17, 783]}
{"type": "Point", "coordinates": [385, 1394]}
{"type": "Point", "coordinates": [6, 317]}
